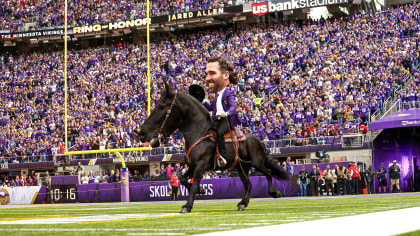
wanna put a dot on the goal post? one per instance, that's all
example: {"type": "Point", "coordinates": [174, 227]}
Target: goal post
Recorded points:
{"type": "Point", "coordinates": [67, 152]}
{"type": "Point", "coordinates": [125, 195]}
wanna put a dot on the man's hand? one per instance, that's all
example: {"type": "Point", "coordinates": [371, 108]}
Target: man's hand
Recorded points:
{"type": "Point", "coordinates": [225, 114]}
{"type": "Point", "coordinates": [211, 96]}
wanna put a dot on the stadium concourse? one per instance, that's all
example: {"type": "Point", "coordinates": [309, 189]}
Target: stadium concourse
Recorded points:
{"type": "Point", "coordinates": [299, 80]}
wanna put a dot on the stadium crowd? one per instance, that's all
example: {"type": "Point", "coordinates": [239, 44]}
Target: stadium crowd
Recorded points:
{"type": "Point", "coordinates": [50, 13]}
{"type": "Point", "coordinates": [297, 80]}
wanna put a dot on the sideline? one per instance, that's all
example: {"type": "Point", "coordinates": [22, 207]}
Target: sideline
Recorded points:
{"type": "Point", "coordinates": [125, 204]}
{"type": "Point", "coordinates": [378, 223]}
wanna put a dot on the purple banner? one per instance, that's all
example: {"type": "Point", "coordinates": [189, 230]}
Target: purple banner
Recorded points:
{"type": "Point", "coordinates": [64, 180]}
{"type": "Point", "coordinates": [42, 194]}
{"type": "Point", "coordinates": [109, 192]}
{"type": "Point", "coordinates": [87, 192]}
{"type": "Point", "coordinates": [406, 118]}
{"type": "Point", "coordinates": [161, 190]}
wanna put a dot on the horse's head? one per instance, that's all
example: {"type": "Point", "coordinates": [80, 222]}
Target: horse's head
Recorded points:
{"type": "Point", "coordinates": [164, 118]}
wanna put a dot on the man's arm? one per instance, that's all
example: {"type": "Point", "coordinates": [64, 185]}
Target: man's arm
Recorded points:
{"type": "Point", "coordinates": [231, 102]}
{"type": "Point", "coordinates": [209, 106]}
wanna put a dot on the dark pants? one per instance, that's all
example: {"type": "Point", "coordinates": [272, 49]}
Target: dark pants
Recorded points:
{"type": "Point", "coordinates": [174, 195]}
{"type": "Point", "coordinates": [315, 186]}
{"type": "Point", "coordinates": [341, 187]}
{"type": "Point", "coordinates": [370, 186]}
{"type": "Point", "coordinates": [321, 186]}
{"type": "Point", "coordinates": [221, 127]}
{"type": "Point", "coordinates": [335, 188]}
{"type": "Point", "coordinates": [329, 188]}
{"type": "Point", "coordinates": [355, 185]}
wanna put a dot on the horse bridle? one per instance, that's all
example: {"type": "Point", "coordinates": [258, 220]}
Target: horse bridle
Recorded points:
{"type": "Point", "coordinates": [168, 113]}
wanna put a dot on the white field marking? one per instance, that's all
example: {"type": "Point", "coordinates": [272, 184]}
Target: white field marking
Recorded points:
{"type": "Point", "coordinates": [289, 220]}
{"type": "Point", "coordinates": [79, 219]}
{"type": "Point", "coordinates": [299, 217]}
{"type": "Point", "coordinates": [327, 213]}
{"type": "Point", "coordinates": [111, 230]}
{"type": "Point", "coordinates": [402, 221]}
{"type": "Point", "coordinates": [236, 224]}
{"type": "Point", "coordinates": [93, 209]}
{"type": "Point", "coordinates": [132, 234]}
{"type": "Point", "coordinates": [242, 215]}
{"type": "Point", "coordinates": [273, 220]}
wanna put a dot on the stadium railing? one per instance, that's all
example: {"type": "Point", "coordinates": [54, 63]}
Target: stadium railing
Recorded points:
{"type": "Point", "coordinates": [309, 144]}
{"type": "Point", "coordinates": [391, 101]}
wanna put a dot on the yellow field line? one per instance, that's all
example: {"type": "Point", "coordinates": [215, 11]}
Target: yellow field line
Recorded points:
{"type": "Point", "coordinates": [42, 217]}
{"type": "Point", "coordinates": [147, 218]}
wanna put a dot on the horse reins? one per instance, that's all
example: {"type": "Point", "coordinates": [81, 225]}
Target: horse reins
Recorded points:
{"type": "Point", "coordinates": [168, 113]}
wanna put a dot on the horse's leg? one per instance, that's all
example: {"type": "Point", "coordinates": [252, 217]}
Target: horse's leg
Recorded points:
{"type": "Point", "coordinates": [243, 170]}
{"type": "Point", "coordinates": [273, 191]}
{"type": "Point", "coordinates": [195, 187]}
{"type": "Point", "coordinates": [262, 163]}
{"type": "Point", "coordinates": [184, 181]}
{"type": "Point", "coordinates": [185, 177]}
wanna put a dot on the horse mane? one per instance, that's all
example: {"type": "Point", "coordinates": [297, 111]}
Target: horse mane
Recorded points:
{"type": "Point", "coordinates": [201, 109]}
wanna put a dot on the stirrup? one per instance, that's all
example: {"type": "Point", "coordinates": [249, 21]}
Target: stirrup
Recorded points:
{"type": "Point", "coordinates": [221, 162]}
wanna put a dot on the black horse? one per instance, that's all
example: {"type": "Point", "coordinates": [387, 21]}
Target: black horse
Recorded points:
{"type": "Point", "coordinates": [177, 110]}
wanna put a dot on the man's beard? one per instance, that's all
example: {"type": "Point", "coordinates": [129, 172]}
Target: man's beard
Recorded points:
{"type": "Point", "coordinates": [215, 88]}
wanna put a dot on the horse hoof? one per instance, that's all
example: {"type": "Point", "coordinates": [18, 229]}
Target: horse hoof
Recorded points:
{"type": "Point", "coordinates": [241, 207]}
{"type": "Point", "coordinates": [185, 210]}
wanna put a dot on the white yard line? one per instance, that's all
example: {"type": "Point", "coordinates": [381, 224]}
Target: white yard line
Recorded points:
{"type": "Point", "coordinates": [378, 223]}
{"type": "Point", "coordinates": [112, 230]}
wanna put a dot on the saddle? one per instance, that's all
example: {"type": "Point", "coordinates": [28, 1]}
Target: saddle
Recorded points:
{"type": "Point", "coordinates": [238, 136]}
{"type": "Point", "coordinates": [234, 136]}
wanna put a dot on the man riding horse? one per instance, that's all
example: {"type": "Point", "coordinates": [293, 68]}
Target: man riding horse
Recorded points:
{"type": "Point", "coordinates": [177, 110]}
{"type": "Point", "coordinates": [219, 74]}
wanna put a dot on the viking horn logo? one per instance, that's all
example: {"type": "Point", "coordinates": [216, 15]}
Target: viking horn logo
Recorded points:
{"type": "Point", "coordinates": [4, 197]}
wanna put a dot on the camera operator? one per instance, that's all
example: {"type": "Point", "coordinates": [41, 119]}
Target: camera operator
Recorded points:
{"type": "Point", "coordinates": [341, 180]}
{"type": "Point", "coordinates": [329, 176]}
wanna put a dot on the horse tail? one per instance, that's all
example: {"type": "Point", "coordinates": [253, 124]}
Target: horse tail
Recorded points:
{"type": "Point", "coordinates": [277, 171]}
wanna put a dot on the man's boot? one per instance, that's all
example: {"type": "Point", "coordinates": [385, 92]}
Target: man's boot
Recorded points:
{"type": "Point", "coordinates": [221, 162]}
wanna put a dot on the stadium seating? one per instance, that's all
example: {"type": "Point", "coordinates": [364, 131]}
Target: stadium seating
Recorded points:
{"type": "Point", "coordinates": [327, 66]}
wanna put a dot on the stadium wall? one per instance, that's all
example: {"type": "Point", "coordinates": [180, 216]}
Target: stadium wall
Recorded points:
{"type": "Point", "coordinates": [363, 155]}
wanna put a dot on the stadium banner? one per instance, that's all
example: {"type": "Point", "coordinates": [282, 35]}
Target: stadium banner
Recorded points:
{"type": "Point", "coordinates": [118, 25]}
{"type": "Point", "coordinates": [31, 34]}
{"type": "Point", "coordinates": [19, 195]}
{"type": "Point", "coordinates": [405, 118]}
{"type": "Point", "coordinates": [260, 9]}
{"type": "Point", "coordinates": [121, 25]}
{"type": "Point", "coordinates": [161, 190]}
{"type": "Point", "coordinates": [198, 14]}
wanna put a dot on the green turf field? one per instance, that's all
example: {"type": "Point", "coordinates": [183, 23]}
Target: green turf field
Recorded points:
{"type": "Point", "coordinates": [207, 216]}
